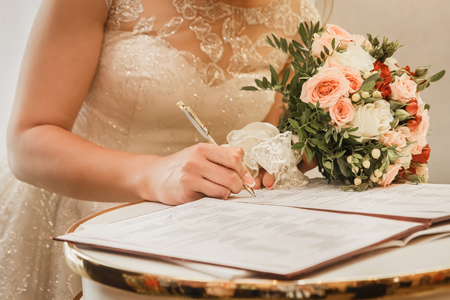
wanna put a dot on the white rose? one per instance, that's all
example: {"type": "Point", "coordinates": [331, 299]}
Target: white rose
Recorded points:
{"type": "Point", "coordinates": [391, 63]}
{"type": "Point", "coordinates": [355, 57]}
{"type": "Point", "coordinates": [372, 120]}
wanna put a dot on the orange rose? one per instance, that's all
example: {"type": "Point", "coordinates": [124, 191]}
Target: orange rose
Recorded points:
{"type": "Point", "coordinates": [354, 78]}
{"type": "Point", "coordinates": [342, 112]}
{"type": "Point", "coordinates": [326, 88]}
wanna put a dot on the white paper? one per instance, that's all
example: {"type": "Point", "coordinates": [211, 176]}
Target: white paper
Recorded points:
{"type": "Point", "coordinates": [424, 201]}
{"type": "Point", "coordinates": [262, 238]}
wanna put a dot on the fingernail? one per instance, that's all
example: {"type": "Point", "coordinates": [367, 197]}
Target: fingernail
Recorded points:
{"type": "Point", "coordinates": [249, 180]}
{"type": "Point", "coordinates": [269, 187]}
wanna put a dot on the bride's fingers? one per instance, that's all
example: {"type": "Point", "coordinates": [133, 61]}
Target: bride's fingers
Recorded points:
{"type": "Point", "coordinates": [258, 181]}
{"type": "Point", "coordinates": [211, 189]}
{"type": "Point", "coordinates": [222, 176]}
{"type": "Point", "coordinates": [268, 180]}
{"type": "Point", "coordinates": [230, 157]}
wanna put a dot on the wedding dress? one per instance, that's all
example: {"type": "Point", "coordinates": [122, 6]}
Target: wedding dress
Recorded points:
{"type": "Point", "coordinates": [200, 52]}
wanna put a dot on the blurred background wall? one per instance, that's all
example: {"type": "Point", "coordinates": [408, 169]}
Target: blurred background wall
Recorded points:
{"type": "Point", "coordinates": [421, 25]}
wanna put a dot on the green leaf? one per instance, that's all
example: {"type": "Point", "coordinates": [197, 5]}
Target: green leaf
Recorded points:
{"type": "Point", "coordinates": [339, 154]}
{"type": "Point", "coordinates": [269, 41]}
{"type": "Point", "coordinates": [274, 75]}
{"type": "Point", "coordinates": [327, 165]}
{"type": "Point", "coordinates": [437, 76]}
{"type": "Point", "coordinates": [309, 129]}
{"type": "Point", "coordinates": [309, 154]}
{"type": "Point", "coordinates": [286, 74]}
{"type": "Point", "coordinates": [333, 43]}
{"type": "Point", "coordinates": [249, 88]}
{"type": "Point", "coordinates": [265, 83]}
{"type": "Point", "coordinates": [276, 40]}
{"type": "Point", "coordinates": [294, 123]}
{"type": "Point", "coordinates": [345, 170]}
{"type": "Point", "coordinates": [370, 82]}
{"type": "Point", "coordinates": [298, 145]}
{"type": "Point", "coordinates": [294, 82]}
{"type": "Point", "coordinates": [427, 106]}
{"type": "Point", "coordinates": [303, 34]}
{"type": "Point", "coordinates": [259, 83]}
{"type": "Point", "coordinates": [284, 46]}
{"type": "Point", "coordinates": [328, 135]}
{"type": "Point", "coordinates": [326, 50]}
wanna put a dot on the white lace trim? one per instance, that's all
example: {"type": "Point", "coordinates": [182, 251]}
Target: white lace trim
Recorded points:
{"type": "Point", "coordinates": [266, 147]}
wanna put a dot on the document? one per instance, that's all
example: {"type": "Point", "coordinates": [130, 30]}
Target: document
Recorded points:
{"type": "Point", "coordinates": [427, 203]}
{"type": "Point", "coordinates": [270, 239]}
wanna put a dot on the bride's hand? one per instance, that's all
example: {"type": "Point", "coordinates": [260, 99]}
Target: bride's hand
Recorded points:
{"type": "Point", "coordinates": [199, 171]}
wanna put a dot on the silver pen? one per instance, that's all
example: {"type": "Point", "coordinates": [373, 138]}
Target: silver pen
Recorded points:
{"type": "Point", "coordinates": [192, 117]}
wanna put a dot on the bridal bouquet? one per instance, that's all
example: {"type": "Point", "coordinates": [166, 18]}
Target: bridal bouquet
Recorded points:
{"type": "Point", "coordinates": [353, 107]}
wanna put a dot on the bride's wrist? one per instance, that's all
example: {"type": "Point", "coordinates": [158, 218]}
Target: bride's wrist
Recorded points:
{"type": "Point", "coordinates": [142, 176]}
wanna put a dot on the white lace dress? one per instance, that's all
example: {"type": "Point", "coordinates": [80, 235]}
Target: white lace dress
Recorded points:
{"type": "Point", "coordinates": [200, 52]}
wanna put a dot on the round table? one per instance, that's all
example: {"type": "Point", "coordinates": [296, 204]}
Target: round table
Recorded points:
{"type": "Point", "coordinates": [417, 271]}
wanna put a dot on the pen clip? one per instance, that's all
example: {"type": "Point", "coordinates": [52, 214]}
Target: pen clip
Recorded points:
{"type": "Point", "coordinates": [196, 121]}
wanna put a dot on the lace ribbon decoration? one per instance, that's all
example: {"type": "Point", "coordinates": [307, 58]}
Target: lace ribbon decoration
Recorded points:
{"type": "Point", "coordinates": [266, 147]}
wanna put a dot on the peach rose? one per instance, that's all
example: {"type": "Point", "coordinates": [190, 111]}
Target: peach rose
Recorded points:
{"type": "Point", "coordinates": [354, 78]}
{"type": "Point", "coordinates": [320, 42]}
{"type": "Point", "coordinates": [391, 172]}
{"type": "Point", "coordinates": [342, 112]}
{"type": "Point", "coordinates": [340, 35]}
{"type": "Point", "coordinates": [393, 137]}
{"type": "Point", "coordinates": [325, 87]}
{"type": "Point", "coordinates": [403, 88]}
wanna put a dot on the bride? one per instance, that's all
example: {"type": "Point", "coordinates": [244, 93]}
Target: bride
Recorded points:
{"type": "Point", "coordinates": [95, 117]}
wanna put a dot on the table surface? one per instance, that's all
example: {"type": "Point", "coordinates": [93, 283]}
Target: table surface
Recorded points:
{"type": "Point", "coordinates": [421, 268]}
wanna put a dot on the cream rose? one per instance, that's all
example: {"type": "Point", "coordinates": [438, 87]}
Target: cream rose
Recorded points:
{"type": "Point", "coordinates": [325, 87]}
{"type": "Point", "coordinates": [372, 120]}
{"type": "Point", "coordinates": [392, 138]}
{"type": "Point", "coordinates": [342, 112]}
{"type": "Point", "coordinates": [340, 35]}
{"type": "Point", "coordinates": [403, 88]}
{"type": "Point", "coordinates": [391, 172]}
{"type": "Point", "coordinates": [320, 42]}
{"type": "Point", "coordinates": [354, 78]}
{"type": "Point", "coordinates": [355, 57]}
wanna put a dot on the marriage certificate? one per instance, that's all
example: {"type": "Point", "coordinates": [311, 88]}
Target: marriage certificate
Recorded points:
{"type": "Point", "coordinates": [269, 239]}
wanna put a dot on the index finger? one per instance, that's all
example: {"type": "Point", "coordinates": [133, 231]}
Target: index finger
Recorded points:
{"type": "Point", "coordinates": [232, 158]}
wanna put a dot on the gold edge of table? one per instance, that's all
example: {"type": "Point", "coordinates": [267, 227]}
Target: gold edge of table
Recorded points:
{"type": "Point", "coordinates": [394, 286]}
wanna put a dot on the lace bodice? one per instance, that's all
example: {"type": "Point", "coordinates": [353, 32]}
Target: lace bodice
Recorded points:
{"type": "Point", "coordinates": [198, 51]}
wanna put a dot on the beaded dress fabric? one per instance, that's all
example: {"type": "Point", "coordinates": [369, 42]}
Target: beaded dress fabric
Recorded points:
{"type": "Point", "coordinates": [154, 54]}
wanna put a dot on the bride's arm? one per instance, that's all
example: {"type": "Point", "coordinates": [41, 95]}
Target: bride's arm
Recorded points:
{"type": "Point", "coordinates": [57, 70]}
